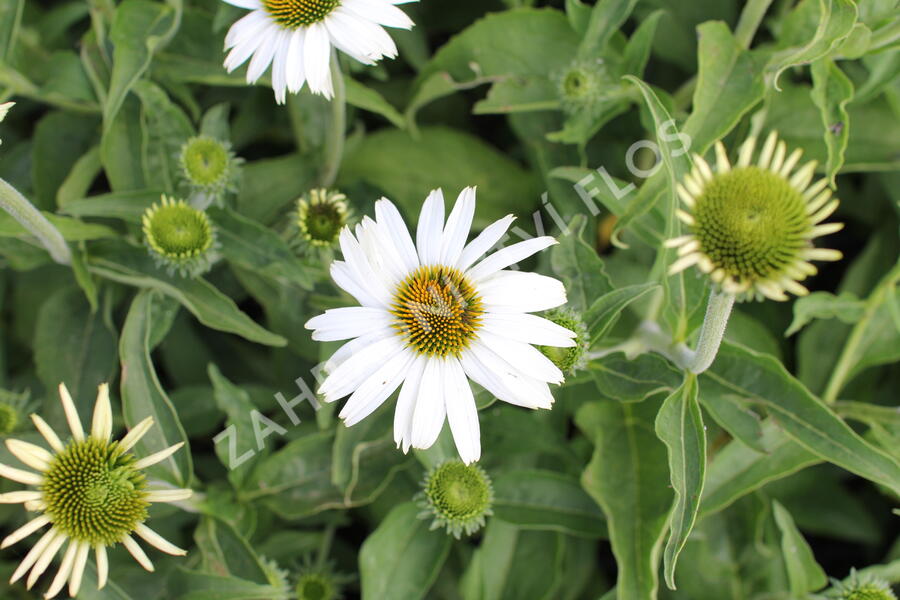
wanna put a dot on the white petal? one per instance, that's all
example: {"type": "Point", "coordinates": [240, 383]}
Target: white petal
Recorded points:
{"type": "Point", "coordinates": [383, 255]}
{"type": "Point", "coordinates": [317, 60]}
{"type": "Point", "coordinates": [247, 27]}
{"type": "Point", "coordinates": [352, 347]}
{"type": "Point", "coordinates": [358, 367]}
{"type": "Point", "coordinates": [78, 568]}
{"type": "Point", "coordinates": [355, 257]}
{"type": "Point", "coordinates": [20, 497]}
{"type": "Point", "coordinates": [134, 436]}
{"type": "Point", "coordinates": [157, 541]}
{"type": "Point", "coordinates": [48, 433]}
{"type": "Point", "coordinates": [429, 235]}
{"type": "Point", "coordinates": [34, 456]}
{"type": "Point", "coordinates": [102, 565]}
{"type": "Point", "coordinates": [503, 380]}
{"type": "Point", "coordinates": [486, 240]}
{"type": "Point", "coordinates": [350, 37]}
{"type": "Point", "coordinates": [45, 558]}
{"type": "Point", "coordinates": [279, 64]}
{"type": "Point", "coordinates": [169, 495]}
{"type": "Point", "coordinates": [377, 388]}
{"type": "Point", "coordinates": [137, 552]}
{"type": "Point", "coordinates": [517, 291]}
{"type": "Point", "coordinates": [262, 58]}
{"type": "Point", "coordinates": [246, 47]}
{"type": "Point", "coordinates": [294, 66]}
{"type": "Point", "coordinates": [25, 530]}
{"type": "Point", "coordinates": [248, 4]}
{"type": "Point", "coordinates": [406, 403]}
{"type": "Point", "coordinates": [346, 323]}
{"type": "Point", "coordinates": [26, 477]}
{"type": "Point", "coordinates": [71, 413]}
{"type": "Point", "coordinates": [101, 426]}
{"type": "Point", "coordinates": [525, 357]}
{"type": "Point", "coordinates": [157, 457]}
{"type": "Point", "coordinates": [458, 225]}
{"type": "Point", "coordinates": [508, 256]}
{"type": "Point", "coordinates": [530, 329]}
{"type": "Point", "coordinates": [462, 414]}
{"type": "Point", "coordinates": [379, 12]}
{"type": "Point", "coordinates": [430, 410]}
{"type": "Point", "coordinates": [35, 553]}
{"type": "Point", "coordinates": [389, 217]}
{"type": "Point", "coordinates": [65, 569]}
{"type": "Point", "coordinates": [345, 279]}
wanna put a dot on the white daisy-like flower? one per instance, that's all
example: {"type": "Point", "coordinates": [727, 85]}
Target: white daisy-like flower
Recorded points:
{"type": "Point", "coordinates": [432, 317]}
{"type": "Point", "coordinates": [91, 492]}
{"type": "Point", "coordinates": [296, 37]}
{"type": "Point", "coordinates": [752, 223]}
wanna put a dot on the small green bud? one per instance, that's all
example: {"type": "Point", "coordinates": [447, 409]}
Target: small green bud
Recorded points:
{"type": "Point", "coordinates": [209, 167]}
{"type": "Point", "coordinates": [862, 587]}
{"type": "Point", "coordinates": [584, 85]}
{"type": "Point", "coordinates": [572, 358]}
{"type": "Point", "coordinates": [320, 215]}
{"type": "Point", "coordinates": [457, 497]}
{"type": "Point", "coordinates": [179, 237]}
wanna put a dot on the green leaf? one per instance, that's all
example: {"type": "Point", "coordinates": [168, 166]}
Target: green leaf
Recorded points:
{"type": "Point", "coordinates": [60, 138]}
{"type": "Point", "coordinates": [258, 248]}
{"type": "Point", "coordinates": [835, 22]}
{"type": "Point", "coordinates": [366, 98]}
{"type": "Point", "coordinates": [143, 395]}
{"type": "Point", "coordinates": [139, 28]}
{"type": "Point", "coordinates": [823, 305]}
{"type": "Point", "coordinates": [132, 266]}
{"type": "Point", "coordinates": [580, 268]}
{"type": "Point", "coordinates": [72, 230]}
{"type": "Point", "coordinates": [605, 311]}
{"type": "Point", "coordinates": [729, 83]}
{"type": "Point", "coordinates": [545, 500]}
{"type": "Point", "coordinates": [640, 44]}
{"type": "Point", "coordinates": [203, 586]}
{"type": "Point", "coordinates": [402, 558]}
{"type": "Point", "coordinates": [619, 378]}
{"type": "Point", "coordinates": [679, 425]}
{"type": "Point", "coordinates": [523, 44]}
{"type": "Point", "coordinates": [804, 573]}
{"type": "Point", "coordinates": [832, 90]}
{"type": "Point", "coordinates": [80, 177]}
{"type": "Point", "coordinates": [166, 128]}
{"type": "Point", "coordinates": [225, 552]}
{"type": "Point", "coordinates": [128, 206]}
{"type": "Point", "coordinates": [73, 345]}
{"type": "Point", "coordinates": [733, 414]}
{"type": "Point", "coordinates": [804, 417]}
{"type": "Point", "coordinates": [408, 168]}
{"type": "Point", "coordinates": [517, 564]}
{"type": "Point", "coordinates": [628, 477]}
{"type": "Point", "coordinates": [737, 469]}
{"type": "Point", "coordinates": [120, 148]}
{"type": "Point", "coordinates": [606, 18]}
{"type": "Point", "coordinates": [235, 402]}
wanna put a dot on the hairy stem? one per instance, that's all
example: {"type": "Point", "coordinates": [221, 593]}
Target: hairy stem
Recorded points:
{"type": "Point", "coordinates": [37, 224]}
{"type": "Point", "coordinates": [334, 143]}
{"type": "Point", "coordinates": [717, 312]}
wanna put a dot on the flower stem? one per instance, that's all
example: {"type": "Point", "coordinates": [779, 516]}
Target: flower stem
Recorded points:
{"type": "Point", "coordinates": [717, 312]}
{"type": "Point", "coordinates": [37, 224]}
{"type": "Point", "coordinates": [334, 143]}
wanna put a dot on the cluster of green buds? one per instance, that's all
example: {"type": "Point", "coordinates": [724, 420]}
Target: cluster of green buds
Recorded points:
{"type": "Point", "coordinates": [861, 587]}
{"type": "Point", "coordinates": [457, 497]}
{"type": "Point", "coordinates": [179, 237]}
{"type": "Point", "coordinates": [209, 170]}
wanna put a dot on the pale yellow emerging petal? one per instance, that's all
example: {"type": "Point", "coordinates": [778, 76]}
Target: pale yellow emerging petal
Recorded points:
{"type": "Point", "coordinates": [26, 477]}
{"type": "Point", "coordinates": [157, 457]}
{"type": "Point", "coordinates": [34, 554]}
{"type": "Point", "coordinates": [71, 413]}
{"type": "Point", "coordinates": [101, 426]}
{"type": "Point", "coordinates": [135, 550]}
{"type": "Point", "coordinates": [157, 541]}
{"type": "Point", "coordinates": [34, 456]}
{"type": "Point", "coordinates": [48, 433]}
{"type": "Point", "coordinates": [102, 566]}
{"type": "Point", "coordinates": [25, 530]}
{"type": "Point", "coordinates": [65, 569]}
{"type": "Point", "coordinates": [135, 435]}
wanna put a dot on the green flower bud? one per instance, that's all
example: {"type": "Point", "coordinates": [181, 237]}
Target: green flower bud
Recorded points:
{"type": "Point", "coordinates": [209, 167]}
{"type": "Point", "coordinates": [572, 358]}
{"type": "Point", "coordinates": [320, 215]}
{"type": "Point", "coordinates": [179, 237]}
{"type": "Point", "coordinates": [457, 497]}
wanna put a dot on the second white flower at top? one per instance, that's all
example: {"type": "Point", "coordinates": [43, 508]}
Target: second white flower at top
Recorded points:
{"type": "Point", "coordinates": [433, 316]}
{"type": "Point", "coordinates": [296, 37]}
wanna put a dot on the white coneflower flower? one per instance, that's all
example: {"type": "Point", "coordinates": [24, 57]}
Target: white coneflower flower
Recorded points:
{"type": "Point", "coordinates": [752, 224]}
{"type": "Point", "coordinates": [296, 38]}
{"type": "Point", "coordinates": [90, 491]}
{"type": "Point", "coordinates": [431, 317]}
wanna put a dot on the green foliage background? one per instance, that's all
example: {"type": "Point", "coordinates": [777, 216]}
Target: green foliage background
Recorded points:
{"type": "Point", "coordinates": [775, 467]}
